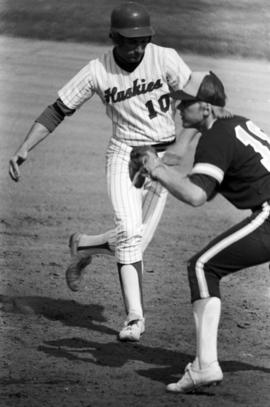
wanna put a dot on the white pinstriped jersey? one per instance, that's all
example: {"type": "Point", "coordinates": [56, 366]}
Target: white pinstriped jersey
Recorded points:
{"type": "Point", "coordinates": [138, 102]}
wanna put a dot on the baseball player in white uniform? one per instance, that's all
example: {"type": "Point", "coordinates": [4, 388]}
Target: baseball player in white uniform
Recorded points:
{"type": "Point", "coordinates": [135, 81]}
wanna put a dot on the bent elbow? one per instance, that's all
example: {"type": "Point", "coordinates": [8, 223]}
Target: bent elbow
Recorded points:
{"type": "Point", "coordinates": [198, 200]}
{"type": "Point", "coordinates": [196, 203]}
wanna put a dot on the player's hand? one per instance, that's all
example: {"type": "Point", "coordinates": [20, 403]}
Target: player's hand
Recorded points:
{"type": "Point", "coordinates": [143, 162]}
{"type": "Point", "coordinates": [14, 164]}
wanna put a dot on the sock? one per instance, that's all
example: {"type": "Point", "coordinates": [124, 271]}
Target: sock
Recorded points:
{"type": "Point", "coordinates": [130, 276]}
{"type": "Point", "coordinates": [206, 314]}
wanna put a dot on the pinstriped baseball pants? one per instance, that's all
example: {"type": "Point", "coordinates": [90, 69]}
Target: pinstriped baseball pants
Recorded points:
{"type": "Point", "coordinates": [137, 212]}
{"type": "Point", "coordinates": [244, 245]}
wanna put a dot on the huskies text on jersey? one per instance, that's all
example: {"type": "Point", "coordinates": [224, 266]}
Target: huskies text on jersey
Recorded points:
{"type": "Point", "coordinates": [114, 95]}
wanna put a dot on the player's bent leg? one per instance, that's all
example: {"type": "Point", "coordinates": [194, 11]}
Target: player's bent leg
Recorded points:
{"type": "Point", "coordinates": [79, 261]}
{"type": "Point", "coordinates": [103, 243]}
{"type": "Point", "coordinates": [81, 257]}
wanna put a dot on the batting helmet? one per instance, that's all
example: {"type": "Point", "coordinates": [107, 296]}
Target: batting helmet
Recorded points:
{"type": "Point", "coordinates": [131, 20]}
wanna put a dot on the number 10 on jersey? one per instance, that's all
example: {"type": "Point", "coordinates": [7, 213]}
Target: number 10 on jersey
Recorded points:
{"type": "Point", "coordinates": [164, 104]}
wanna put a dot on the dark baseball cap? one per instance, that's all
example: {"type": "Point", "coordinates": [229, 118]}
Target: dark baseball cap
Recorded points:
{"type": "Point", "coordinates": [204, 87]}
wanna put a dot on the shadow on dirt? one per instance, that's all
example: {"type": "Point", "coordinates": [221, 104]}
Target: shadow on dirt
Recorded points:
{"type": "Point", "coordinates": [69, 312]}
{"type": "Point", "coordinates": [167, 364]}
{"type": "Point", "coordinates": [113, 354]}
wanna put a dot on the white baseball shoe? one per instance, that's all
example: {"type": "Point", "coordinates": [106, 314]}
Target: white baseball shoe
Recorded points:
{"type": "Point", "coordinates": [194, 379]}
{"type": "Point", "coordinates": [132, 330]}
{"type": "Point", "coordinates": [79, 261]}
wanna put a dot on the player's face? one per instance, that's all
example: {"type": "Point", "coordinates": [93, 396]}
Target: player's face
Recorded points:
{"type": "Point", "coordinates": [191, 112]}
{"type": "Point", "coordinates": [132, 49]}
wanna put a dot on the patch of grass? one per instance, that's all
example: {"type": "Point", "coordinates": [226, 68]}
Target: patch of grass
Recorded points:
{"type": "Point", "coordinates": [211, 27]}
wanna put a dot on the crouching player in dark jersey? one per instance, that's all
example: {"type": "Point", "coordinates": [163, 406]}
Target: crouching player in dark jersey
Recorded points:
{"type": "Point", "coordinates": [232, 158]}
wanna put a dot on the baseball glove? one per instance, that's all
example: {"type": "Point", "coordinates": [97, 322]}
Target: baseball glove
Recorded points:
{"type": "Point", "coordinates": [143, 160]}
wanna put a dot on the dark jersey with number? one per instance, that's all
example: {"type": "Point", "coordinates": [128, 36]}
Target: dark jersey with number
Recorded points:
{"type": "Point", "coordinates": [236, 154]}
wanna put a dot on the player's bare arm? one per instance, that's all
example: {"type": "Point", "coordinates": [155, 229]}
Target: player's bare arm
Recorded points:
{"type": "Point", "coordinates": [145, 161]}
{"type": "Point", "coordinates": [45, 124]}
{"type": "Point", "coordinates": [179, 185]}
{"type": "Point", "coordinates": [177, 152]}
{"type": "Point", "coordinates": [36, 134]}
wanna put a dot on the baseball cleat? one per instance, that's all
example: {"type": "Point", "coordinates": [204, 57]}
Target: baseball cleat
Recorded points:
{"type": "Point", "coordinates": [194, 379]}
{"type": "Point", "coordinates": [79, 261]}
{"type": "Point", "coordinates": [132, 330]}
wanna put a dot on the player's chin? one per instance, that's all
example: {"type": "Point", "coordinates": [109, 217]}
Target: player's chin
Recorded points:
{"type": "Point", "coordinates": [186, 124]}
{"type": "Point", "coordinates": [134, 59]}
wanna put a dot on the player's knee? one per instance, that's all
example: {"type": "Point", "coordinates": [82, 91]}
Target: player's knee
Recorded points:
{"type": "Point", "coordinates": [203, 279]}
{"type": "Point", "coordinates": [128, 234]}
{"type": "Point", "coordinates": [128, 245]}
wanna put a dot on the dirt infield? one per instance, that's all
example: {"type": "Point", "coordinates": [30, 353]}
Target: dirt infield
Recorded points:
{"type": "Point", "coordinates": [59, 349]}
